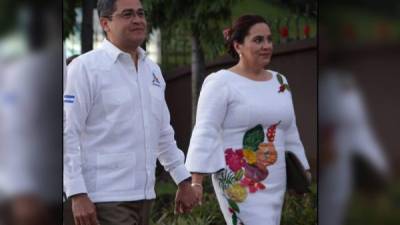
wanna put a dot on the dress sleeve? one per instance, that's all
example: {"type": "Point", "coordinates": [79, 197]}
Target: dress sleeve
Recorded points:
{"type": "Point", "coordinates": [205, 154]}
{"type": "Point", "coordinates": [292, 138]}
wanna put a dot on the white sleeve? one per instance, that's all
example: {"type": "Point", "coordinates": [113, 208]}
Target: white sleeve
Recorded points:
{"type": "Point", "coordinates": [169, 155]}
{"type": "Point", "coordinates": [77, 104]}
{"type": "Point", "coordinates": [205, 154]}
{"type": "Point", "coordinates": [292, 140]}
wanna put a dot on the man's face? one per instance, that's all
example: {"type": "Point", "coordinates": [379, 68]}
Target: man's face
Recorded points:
{"type": "Point", "coordinates": [127, 25]}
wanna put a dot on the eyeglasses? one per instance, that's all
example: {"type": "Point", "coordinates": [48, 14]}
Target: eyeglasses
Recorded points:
{"type": "Point", "coordinates": [130, 13]}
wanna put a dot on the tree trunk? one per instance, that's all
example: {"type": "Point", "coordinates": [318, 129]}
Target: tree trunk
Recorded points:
{"type": "Point", "coordinates": [87, 26]}
{"type": "Point", "coordinates": [198, 73]}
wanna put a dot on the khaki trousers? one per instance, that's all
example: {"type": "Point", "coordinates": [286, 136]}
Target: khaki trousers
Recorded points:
{"type": "Point", "coordinates": [117, 213]}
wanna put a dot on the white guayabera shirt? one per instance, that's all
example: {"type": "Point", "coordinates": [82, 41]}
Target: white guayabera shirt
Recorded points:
{"type": "Point", "coordinates": [117, 125]}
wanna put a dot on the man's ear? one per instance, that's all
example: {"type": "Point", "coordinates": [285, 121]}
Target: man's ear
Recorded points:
{"type": "Point", "coordinates": [105, 24]}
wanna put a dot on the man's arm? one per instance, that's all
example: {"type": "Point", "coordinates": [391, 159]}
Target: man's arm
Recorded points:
{"type": "Point", "coordinates": [172, 159]}
{"type": "Point", "coordinates": [77, 104]}
{"type": "Point", "coordinates": [76, 107]}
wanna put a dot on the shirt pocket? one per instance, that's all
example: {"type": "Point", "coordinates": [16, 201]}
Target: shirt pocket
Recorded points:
{"type": "Point", "coordinates": [115, 172]}
{"type": "Point", "coordinates": [157, 102]}
{"type": "Point", "coordinates": [117, 105]}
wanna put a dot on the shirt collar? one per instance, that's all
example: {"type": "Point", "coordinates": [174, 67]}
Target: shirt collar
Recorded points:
{"type": "Point", "coordinates": [114, 52]}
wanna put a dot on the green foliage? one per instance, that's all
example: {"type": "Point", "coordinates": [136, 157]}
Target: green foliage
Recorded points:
{"type": "Point", "coordinates": [296, 211]}
{"type": "Point", "coordinates": [300, 210]}
{"type": "Point", "coordinates": [379, 208]}
{"type": "Point", "coordinates": [69, 16]}
{"type": "Point", "coordinates": [180, 20]}
{"type": "Point", "coordinates": [8, 14]}
{"type": "Point", "coordinates": [183, 19]}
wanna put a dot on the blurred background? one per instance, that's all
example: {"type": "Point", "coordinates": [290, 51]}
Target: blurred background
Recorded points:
{"type": "Point", "coordinates": [186, 40]}
{"type": "Point", "coordinates": [30, 112]}
{"type": "Point", "coordinates": [358, 112]}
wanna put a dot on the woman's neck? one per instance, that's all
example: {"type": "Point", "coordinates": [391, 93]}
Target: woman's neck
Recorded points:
{"type": "Point", "coordinates": [251, 71]}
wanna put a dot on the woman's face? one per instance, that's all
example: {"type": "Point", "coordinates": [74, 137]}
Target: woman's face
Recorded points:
{"type": "Point", "coordinates": [256, 49]}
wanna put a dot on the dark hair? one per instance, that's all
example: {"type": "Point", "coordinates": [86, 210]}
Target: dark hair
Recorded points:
{"type": "Point", "coordinates": [105, 8]}
{"type": "Point", "coordinates": [239, 30]}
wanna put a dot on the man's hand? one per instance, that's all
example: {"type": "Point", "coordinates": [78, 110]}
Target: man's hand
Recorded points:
{"type": "Point", "coordinates": [185, 198]}
{"type": "Point", "coordinates": [84, 210]}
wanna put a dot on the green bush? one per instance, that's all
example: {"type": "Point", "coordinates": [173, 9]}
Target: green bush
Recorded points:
{"type": "Point", "coordinates": [375, 208]}
{"type": "Point", "coordinates": [300, 210]}
{"type": "Point", "coordinates": [296, 210]}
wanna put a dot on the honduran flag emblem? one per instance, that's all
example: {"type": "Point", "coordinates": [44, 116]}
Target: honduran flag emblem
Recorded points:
{"type": "Point", "coordinates": [69, 98]}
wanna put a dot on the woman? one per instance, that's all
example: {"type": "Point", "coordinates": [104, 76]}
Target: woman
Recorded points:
{"type": "Point", "coordinates": [245, 122]}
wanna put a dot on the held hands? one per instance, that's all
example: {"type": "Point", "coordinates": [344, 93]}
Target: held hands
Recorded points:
{"type": "Point", "coordinates": [84, 210]}
{"type": "Point", "coordinates": [186, 198]}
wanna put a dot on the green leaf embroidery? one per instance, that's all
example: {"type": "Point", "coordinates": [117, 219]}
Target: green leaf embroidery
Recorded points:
{"type": "Point", "coordinates": [253, 137]}
{"type": "Point", "coordinates": [280, 78]}
{"type": "Point", "coordinates": [234, 219]}
{"type": "Point", "coordinates": [226, 179]}
{"type": "Point", "coordinates": [239, 175]}
{"type": "Point", "coordinates": [287, 87]}
{"type": "Point", "coordinates": [233, 205]}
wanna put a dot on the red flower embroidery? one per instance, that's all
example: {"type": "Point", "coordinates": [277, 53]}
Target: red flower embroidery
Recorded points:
{"type": "Point", "coordinates": [243, 174]}
{"type": "Point", "coordinates": [234, 159]}
{"type": "Point", "coordinates": [251, 184]}
{"type": "Point", "coordinates": [282, 88]}
{"type": "Point", "coordinates": [254, 173]}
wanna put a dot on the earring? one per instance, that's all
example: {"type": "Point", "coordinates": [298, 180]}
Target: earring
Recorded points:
{"type": "Point", "coordinates": [240, 55]}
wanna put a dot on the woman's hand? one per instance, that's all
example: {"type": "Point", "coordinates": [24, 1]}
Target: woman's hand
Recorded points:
{"type": "Point", "coordinates": [309, 176]}
{"type": "Point", "coordinates": [197, 185]}
{"type": "Point", "coordinates": [198, 190]}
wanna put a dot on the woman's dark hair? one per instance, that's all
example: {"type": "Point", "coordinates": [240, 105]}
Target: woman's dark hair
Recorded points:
{"type": "Point", "coordinates": [239, 30]}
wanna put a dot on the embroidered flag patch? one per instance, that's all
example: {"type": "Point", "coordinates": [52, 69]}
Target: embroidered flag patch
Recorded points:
{"type": "Point", "coordinates": [156, 82]}
{"type": "Point", "coordinates": [69, 98]}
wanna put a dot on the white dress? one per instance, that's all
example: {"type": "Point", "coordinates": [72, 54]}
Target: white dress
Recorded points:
{"type": "Point", "coordinates": [243, 128]}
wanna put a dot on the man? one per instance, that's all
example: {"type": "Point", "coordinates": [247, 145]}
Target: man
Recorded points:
{"type": "Point", "coordinates": [117, 125]}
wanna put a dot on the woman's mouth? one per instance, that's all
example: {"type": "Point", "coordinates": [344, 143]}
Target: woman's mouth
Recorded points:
{"type": "Point", "coordinates": [266, 54]}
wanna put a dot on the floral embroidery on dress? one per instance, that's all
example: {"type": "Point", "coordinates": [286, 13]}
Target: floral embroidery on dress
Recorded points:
{"type": "Point", "coordinates": [283, 86]}
{"type": "Point", "coordinates": [248, 167]}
